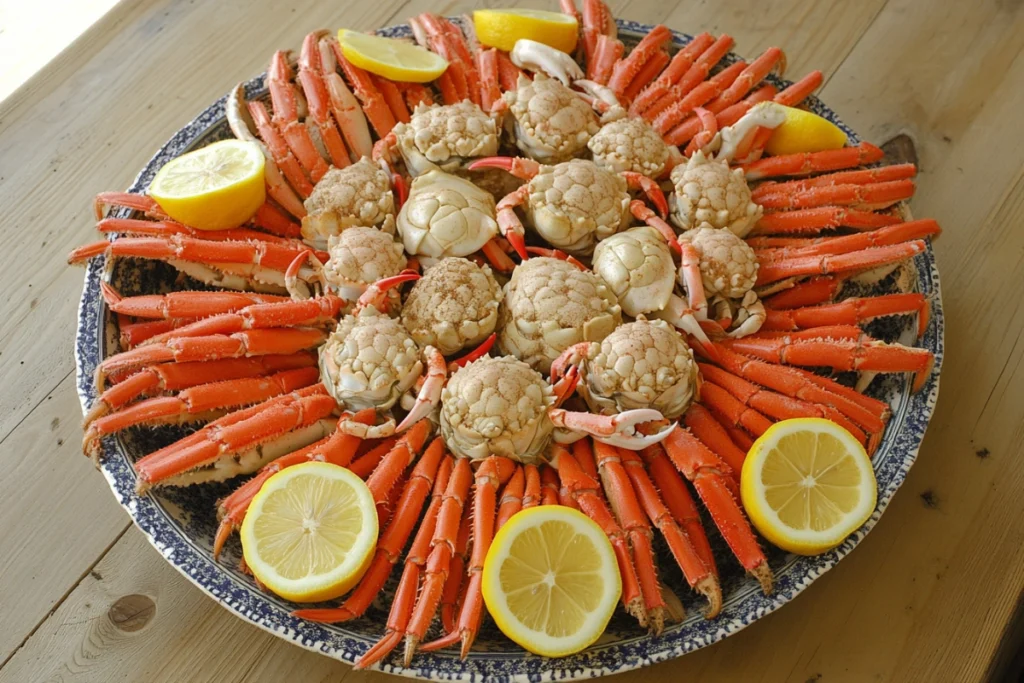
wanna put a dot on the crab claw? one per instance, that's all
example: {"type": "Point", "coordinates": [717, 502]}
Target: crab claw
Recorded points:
{"type": "Point", "coordinates": [298, 287]}
{"type": "Point", "coordinates": [521, 168]}
{"type": "Point", "coordinates": [375, 293]}
{"type": "Point", "coordinates": [615, 430]}
{"type": "Point", "coordinates": [430, 392]}
{"type": "Point", "coordinates": [534, 56]}
{"type": "Point", "coordinates": [558, 254]}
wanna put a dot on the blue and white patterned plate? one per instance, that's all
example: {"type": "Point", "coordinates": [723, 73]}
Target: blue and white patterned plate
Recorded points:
{"type": "Point", "coordinates": [180, 523]}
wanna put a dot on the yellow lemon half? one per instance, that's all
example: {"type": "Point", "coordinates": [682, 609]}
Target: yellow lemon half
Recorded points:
{"type": "Point", "coordinates": [393, 59]}
{"type": "Point", "coordinates": [501, 28]}
{"type": "Point", "coordinates": [807, 484]}
{"type": "Point", "coordinates": [550, 580]}
{"type": "Point", "coordinates": [213, 188]}
{"type": "Point", "coordinates": [803, 131]}
{"type": "Point", "coordinates": [310, 532]}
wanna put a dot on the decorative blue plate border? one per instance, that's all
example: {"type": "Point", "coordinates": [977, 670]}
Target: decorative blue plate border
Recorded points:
{"type": "Point", "coordinates": [179, 523]}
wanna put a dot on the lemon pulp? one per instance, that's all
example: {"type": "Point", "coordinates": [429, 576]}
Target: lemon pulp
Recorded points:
{"type": "Point", "coordinates": [804, 131]}
{"type": "Point", "coordinates": [502, 28]}
{"type": "Point", "coordinates": [393, 59]}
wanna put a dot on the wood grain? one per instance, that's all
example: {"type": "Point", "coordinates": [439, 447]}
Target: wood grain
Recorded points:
{"type": "Point", "coordinates": [927, 596]}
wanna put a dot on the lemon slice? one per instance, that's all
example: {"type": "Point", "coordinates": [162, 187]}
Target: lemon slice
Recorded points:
{"type": "Point", "coordinates": [393, 59]}
{"type": "Point", "coordinates": [807, 484]}
{"type": "Point", "coordinates": [550, 580]}
{"type": "Point", "coordinates": [219, 186]}
{"type": "Point", "coordinates": [501, 28]}
{"type": "Point", "coordinates": [803, 131]}
{"type": "Point", "coordinates": [310, 532]}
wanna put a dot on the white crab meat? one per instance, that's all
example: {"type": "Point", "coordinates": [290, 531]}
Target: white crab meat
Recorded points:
{"type": "Point", "coordinates": [550, 305]}
{"type": "Point", "coordinates": [454, 306]}
{"type": "Point", "coordinates": [637, 264]}
{"type": "Point", "coordinates": [445, 136]}
{"type": "Point", "coordinates": [359, 194]}
{"type": "Point", "coordinates": [497, 406]}
{"type": "Point", "coordinates": [359, 257]}
{"type": "Point", "coordinates": [706, 190]}
{"type": "Point", "coordinates": [549, 122]}
{"type": "Point", "coordinates": [369, 361]}
{"type": "Point", "coordinates": [728, 265]}
{"type": "Point", "coordinates": [575, 204]}
{"type": "Point", "coordinates": [642, 364]}
{"type": "Point", "coordinates": [446, 215]}
{"type": "Point", "coordinates": [630, 144]}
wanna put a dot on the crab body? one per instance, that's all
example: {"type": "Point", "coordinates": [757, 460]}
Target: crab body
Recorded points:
{"type": "Point", "coordinates": [637, 265]}
{"type": "Point", "coordinates": [706, 190]}
{"type": "Point", "coordinates": [358, 258]}
{"type": "Point", "coordinates": [444, 137]}
{"type": "Point", "coordinates": [548, 121]}
{"type": "Point", "coordinates": [446, 215]}
{"type": "Point", "coordinates": [630, 144]}
{"type": "Point", "coordinates": [357, 195]}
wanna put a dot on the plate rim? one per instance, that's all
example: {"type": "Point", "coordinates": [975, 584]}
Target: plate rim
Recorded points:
{"type": "Point", "coordinates": [90, 338]}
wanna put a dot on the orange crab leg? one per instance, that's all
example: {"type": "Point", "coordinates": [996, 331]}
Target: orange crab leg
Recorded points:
{"type": "Point", "coordinates": [197, 402]}
{"type": "Point", "coordinates": [279, 149]}
{"type": "Point", "coordinates": [704, 470]}
{"type": "Point", "coordinates": [685, 131]}
{"type": "Point", "coordinates": [454, 586]}
{"type": "Point", "coordinates": [551, 492]}
{"type": "Point", "coordinates": [626, 70]}
{"type": "Point", "coordinates": [709, 128]}
{"type": "Point", "coordinates": [821, 218]}
{"type": "Point", "coordinates": [693, 77]}
{"type": "Point", "coordinates": [401, 455]}
{"type": "Point", "coordinates": [531, 487]}
{"type": "Point", "coordinates": [753, 74]}
{"type": "Point", "coordinates": [286, 117]}
{"type": "Point", "coordinates": [584, 490]}
{"type": "Point", "coordinates": [630, 515]}
{"type": "Point", "coordinates": [826, 264]}
{"type": "Point", "coordinates": [865, 176]}
{"type": "Point", "coordinates": [870, 196]}
{"type": "Point", "coordinates": [672, 115]}
{"type": "Point", "coordinates": [813, 162]}
{"type": "Point", "coordinates": [220, 439]}
{"type": "Point", "coordinates": [676, 69]}
{"type": "Point", "coordinates": [338, 449]}
{"type": "Point", "coordinates": [679, 502]}
{"type": "Point", "coordinates": [607, 52]}
{"type": "Point", "coordinates": [494, 472]}
{"type": "Point", "coordinates": [133, 334]}
{"type": "Point", "coordinates": [310, 77]}
{"type": "Point", "coordinates": [699, 575]}
{"type": "Point", "coordinates": [431, 469]}
{"type": "Point", "coordinates": [364, 465]}
{"type": "Point", "coordinates": [706, 428]}
{"type": "Point", "coordinates": [490, 88]}
{"type": "Point", "coordinates": [817, 290]}
{"type": "Point", "coordinates": [731, 411]}
{"type": "Point", "coordinates": [376, 109]}
{"type": "Point", "coordinates": [641, 212]}
{"type": "Point", "coordinates": [853, 311]}
{"type": "Point", "coordinates": [654, 66]}
{"type": "Point", "coordinates": [303, 313]}
{"type": "Point", "coordinates": [882, 237]}
{"type": "Point", "coordinates": [213, 347]}
{"type": "Point", "coordinates": [778, 406]}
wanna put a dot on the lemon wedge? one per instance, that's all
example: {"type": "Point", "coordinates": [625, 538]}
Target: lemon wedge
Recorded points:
{"type": "Point", "coordinates": [550, 580]}
{"type": "Point", "coordinates": [501, 28]}
{"type": "Point", "coordinates": [393, 59]}
{"type": "Point", "coordinates": [310, 532]}
{"type": "Point", "coordinates": [213, 188]}
{"type": "Point", "coordinates": [803, 131]}
{"type": "Point", "coordinates": [807, 484]}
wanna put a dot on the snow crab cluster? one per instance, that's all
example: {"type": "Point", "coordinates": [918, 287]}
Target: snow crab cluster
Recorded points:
{"type": "Point", "coordinates": [684, 320]}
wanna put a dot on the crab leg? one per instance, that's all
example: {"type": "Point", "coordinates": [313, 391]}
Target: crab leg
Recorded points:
{"type": "Point", "coordinates": [706, 428]}
{"type": "Point", "coordinates": [654, 66]}
{"type": "Point", "coordinates": [303, 313]}
{"type": "Point", "coordinates": [364, 465]}
{"type": "Point", "coordinates": [842, 354]}
{"type": "Point", "coordinates": [698, 573]}
{"type": "Point", "coordinates": [416, 558]}
{"type": "Point", "coordinates": [347, 112]}
{"type": "Point", "coordinates": [865, 176]}
{"type": "Point", "coordinates": [607, 52]}
{"type": "Point", "coordinates": [870, 196]}
{"type": "Point", "coordinates": [430, 393]}
{"type": "Point", "coordinates": [692, 126]}
{"type": "Point", "coordinates": [669, 117]}
{"type": "Point", "coordinates": [133, 334]}
{"type": "Point", "coordinates": [597, 23]}
{"type": "Point", "coordinates": [704, 470]}
{"type": "Point", "coordinates": [709, 128]}
{"type": "Point", "coordinates": [490, 89]}
{"type": "Point", "coordinates": [551, 491]}
{"type": "Point", "coordinates": [817, 290]}
{"type": "Point", "coordinates": [490, 476]}
{"type": "Point", "coordinates": [286, 116]}
{"type": "Point", "coordinates": [164, 228]}
{"type": "Point", "coordinates": [694, 76]}
{"type": "Point", "coordinates": [583, 490]}
{"type": "Point", "coordinates": [338, 449]}
{"type": "Point", "coordinates": [676, 69]}
{"type": "Point", "coordinates": [630, 515]}
{"type": "Point", "coordinates": [442, 546]}
{"type": "Point", "coordinates": [638, 181]}
{"type": "Point", "coordinates": [198, 402]}
{"type": "Point", "coordinates": [882, 237]}
{"type": "Point", "coordinates": [219, 439]}
{"type": "Point", "coordinates": [826, 264]}
{"type": "Point", "coordinates": [813, 162]}
{"type": "Point", "coordinates": [643, 213]}
{"type": "Point", "coordinates": [279, 149]}
{"type": "Point", "coordinates": [772, 58]}
{"type": "Point", "coordinates": [394, 463]}
{"type": "Point", "coordinates": [731, 412]}
{"type": "Point", "coordinates": [531, 489]}
{"type": "Point", "coordinates": [853, 311]}
{"type": "Point", "coordinates": [392, 97]}
{"type": "Point", "coordinates": [310, 76]}
{"type": "Point", "coordinates": [821, 218]}
{"type": "Point", "coordinates": [870, 414]}
{"type": "Point", "coordinates": [779, 406]}
{"type": "Point", "coordinates": [213, 347]}
{"type": "Point", "coordinates": [508, 222]}
{"type": "Point", "coordinates": [626, 70]}
{"type": "Point", "coordinates": [454, 587]}
{"type": "Point", "coordinates": [374, 106]}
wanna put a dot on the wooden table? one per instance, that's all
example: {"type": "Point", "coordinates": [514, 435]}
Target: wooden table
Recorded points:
{"type": "Point", "coordinates": [930, 595]}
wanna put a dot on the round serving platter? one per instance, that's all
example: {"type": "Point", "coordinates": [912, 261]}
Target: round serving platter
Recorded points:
{"type": "Point", "coordinates": [180, 523]}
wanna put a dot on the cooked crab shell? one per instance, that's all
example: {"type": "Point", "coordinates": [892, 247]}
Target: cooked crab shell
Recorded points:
{"type": "Point", "coordinates": [357, 195]}
{"type": "Point", "coordinates": [637, 264]}
{"type": "Point", "coordinates": [575, 204]}
{"type": "Point", "coordinates": [642, 364]}
{"type": "Point", "coordinates": [548, 121]}
{"type": "Point", "coordinates": [369, 361]}
{"type": "Point", "coordinates": [706, 190]}
{"type": "Point", "coordinates": [446, 215]}
{"type": "Point", "coordinates": [728, 265]}
{"type": "Point", "coordinates": [444, 136]}
{"type": "Point", "coordinates": [550, 305]}
{"type": "Point", "coordinates": [453, 306]}
{"type": "Point", "coordinates": [630, 144]}
{"type": "Point", "coordinates": [359, 257]}
{"type": "Point", "coordinates": [497, 406]}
